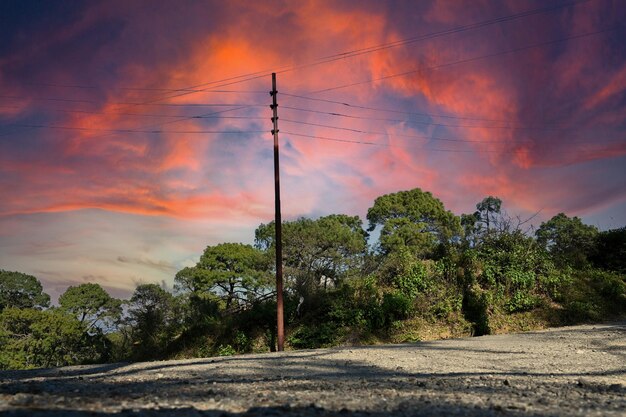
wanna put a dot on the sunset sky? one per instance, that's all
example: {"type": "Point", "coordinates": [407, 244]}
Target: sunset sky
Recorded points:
{"type": "Point", "coordinates": [135, 133]}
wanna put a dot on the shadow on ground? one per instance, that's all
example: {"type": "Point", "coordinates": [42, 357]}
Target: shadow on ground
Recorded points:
{"type": "Point", "coordinates": [197, 387]}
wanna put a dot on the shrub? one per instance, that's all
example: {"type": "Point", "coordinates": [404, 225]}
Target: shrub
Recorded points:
{"type": "Point", "coordinates": [522, 301]}
{"type": "Point", "coordinates": [226, 350]}
{"type": "Point", "coordinates": [313, 336]}
{"type": "Point", "coordinates": [396, 306]}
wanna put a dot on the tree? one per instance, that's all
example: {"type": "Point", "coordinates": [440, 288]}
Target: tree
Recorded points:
{"type": "Point", "coordinates": [31, 338]}
{"type": "Point", "coordinates": [21, 291]}
{"type": "Point", "coordinates": [321, 251]}
{"type": "Point", "coordinates": [153, 320]}
{"type": "Point", "coordinates": [487, 211]}
{"type": "Point", "coordinates": [568, 239]}
{"type": "Point", "coordinates": [488, 218]}
{"type": "Point", "coordinates": [233, 271]}
{"type": "Point", "coordinates": [91, 305]}
{"type": "Point", "coordinates": [610, 251]}
{"type": "Point", "coordinates": [414, 220]}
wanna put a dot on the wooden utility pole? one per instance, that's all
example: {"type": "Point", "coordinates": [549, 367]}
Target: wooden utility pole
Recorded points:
{"type": "Point", "coordinates": [278, 224]}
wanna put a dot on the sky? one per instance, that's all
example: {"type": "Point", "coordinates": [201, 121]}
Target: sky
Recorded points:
{"type": "Point", "coordinates": [134, 134]}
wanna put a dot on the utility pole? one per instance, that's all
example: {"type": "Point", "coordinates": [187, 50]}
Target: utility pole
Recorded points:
{"type": "Point", "coordinates": [278, 225]}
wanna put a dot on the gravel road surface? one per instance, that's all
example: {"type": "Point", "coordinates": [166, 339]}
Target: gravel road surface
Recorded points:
{"type": "Point", "coordinates": [572, 371]}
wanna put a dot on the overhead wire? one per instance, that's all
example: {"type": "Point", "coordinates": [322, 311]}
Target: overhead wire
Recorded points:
{"type": "Point", "coordinates": [458, 29]}
{"type": "Point", "coordinates": [161, 115]}
{"type": "Point", "coordinates": [386, 110]}
{"type": "Point", "coordinates": [367, 81]}
{"type": "Point", "coordinates": [388, 145]}
{"type": "Point", "coordinates": [132, 103]}
{"type": "Point", "coordinates": [338, 56]}
{"type": "Point", "coordinates": [250, 76]}
{"type": "Point", "coordinates": [463, 61]}
{"type": "Point", "coordinates": [95, 129]}
{"type": "Point", "coordinates": [429, 123]}
{"type": "Point", "coordinates": [367, 132]}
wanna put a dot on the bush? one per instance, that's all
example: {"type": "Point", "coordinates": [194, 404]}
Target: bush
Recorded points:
{"type": "Point", "coordinates": [396, 306]}
{"type": "Point", "coordinates": [522, 301]}
{"type": "Point", "coordinates": [314, 336]}
{"type": "Point", "coordinates": [226, 350]}
{"type": "Point", "coordinates": [554, 281]}
{"type": "Point", "coordinates": [582, 311]}
{"type": "Point", "coordinates": [32, 339]}
{"type": "Point", "coordinates": [476, 306]}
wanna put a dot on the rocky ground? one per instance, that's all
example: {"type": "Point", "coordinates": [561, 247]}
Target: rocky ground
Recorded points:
{"type": "Point", "coordinates": [573, 371]}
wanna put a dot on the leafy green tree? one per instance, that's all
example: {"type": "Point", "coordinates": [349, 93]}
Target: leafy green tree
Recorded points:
{"type": "Point", "coordinates": [32, 338]}
{"type": "Point", "coordinates": [487, 212]}
{"type": "Point", "coordinates": [568, 239]}
{"type": "Point", "coordinates": [488, 218]}
{"type": "Point", "coordinates": [233, 271]}
{"type": "Point", "coordinates": [21, 291]}
{"type": "Point", "coordinates": [318, 252]}
{"type": "Point", "coordinates": [153, 321]}
{"type": "Point", "coordinates": [412, 219]}
{"type": "Point", "coordinates": [610, 250]}
{"type": "Point", "coordinates": [471, 229]}
{"type": "Point", "coordinates": [201, 306]}
{"type": "Point", "coordinates": [92, 306]}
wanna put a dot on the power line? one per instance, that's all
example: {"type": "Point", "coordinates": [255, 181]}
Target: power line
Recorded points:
{"type": "Point", "coordinates": [134, 103]}
{"type": "Point", "coordinates": [106, 113]}
{"type": "Point", "coordinates": [463, 61]}
{"type": "Point", "coordinates": [338, 56]}
{"type": "Point", "coordinates": [357, 106]}
{"type": "Point", "coordinates": [455, 30]}
{"type": "Point", "coordinates": [434, 138]}
{"type": "Point", "coordinates": [174, 90]}
{"type": "Point", "coordinates": [341, 56]}
{"type": "Point", "coordinates": [429, 123]}
{"type": "Point", "coordinates": [387, 145]}
{"type": "Point", "coordinates": [152, 127]}
{"type": "Point", "coordinates": [260, 74]}
{"type": "Point", "coordinates": [396, 134]}
{"type": "Point", "coordinates": [235, 107]}
{"type": "Point", "coordinates": [94, 129]}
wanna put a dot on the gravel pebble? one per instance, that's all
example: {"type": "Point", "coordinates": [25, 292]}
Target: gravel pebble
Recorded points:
{"type": "Point", "coordinates": [574, 371]}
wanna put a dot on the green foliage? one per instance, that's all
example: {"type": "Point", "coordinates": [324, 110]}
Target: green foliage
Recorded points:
{"type": "Point", "coordinates": [569, 241]}
{"type": "Point", "coordinates": [477, 306]}
{"type": "Point", "coordinates": [487, 212]}
{"type": "Point", "coordinates": [431, 275]}
{"type": "Point", "coordinates": [311, 337]}
{"type": "Point", "coordinates": [444, 307]}
{"type": "Point", "coordinates": [31, 339]}
{"type": "Point", "coordinates": [522, 301]}
{"type": "Point", "coordinates": [92, 306]}
{"type": "Point", "coordinates": [610, 251]}
{"type": "Point", "coordinates": [21, 291]}
{"type": "Point", "coordinates": [403, 271]}
{"type": "Point", "coordinates": [578, 311]}
{"type": "Point", "coordinates": [593, 294]}
{"type": "Point", "coordinates": [235, 272]}
{"type": "Point", "coordinates": [396, 306]}
{"type": "Point", "coordinates": [317, 254]}
{"type": "Point", "coordinates": [243, 343]}
{"type": "Point", "coordinates": [226, 350]}
{"type": "Point", "coordinates": [154, 319]}
{"type": "Point", "coordinates": [552, 282]}
{"type": "Point", "coordinates": [412, 219]}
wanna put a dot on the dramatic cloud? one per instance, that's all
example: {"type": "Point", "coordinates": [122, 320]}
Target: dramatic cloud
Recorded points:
{"type": "Point", "coordinates": [133, 134]}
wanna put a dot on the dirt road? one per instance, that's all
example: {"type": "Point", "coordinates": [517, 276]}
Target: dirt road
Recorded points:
{"type": "Point", "coordinates": [574, 371]}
